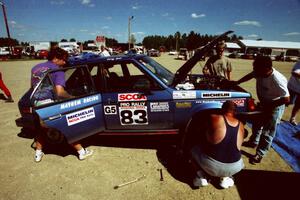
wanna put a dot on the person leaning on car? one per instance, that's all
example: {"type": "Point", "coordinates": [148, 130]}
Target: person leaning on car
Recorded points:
{"type": "Point", "coordinates": [218, 65]}
{"type": "Point", "coordinates": [57, 58]}
{"type": "Point", "coordinates": [273, 94]}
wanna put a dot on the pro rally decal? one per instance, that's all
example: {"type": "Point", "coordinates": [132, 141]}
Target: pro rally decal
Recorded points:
{"type": "Point", "coordinates": [80, 116]}
{"type": "Point", "coordinates": [208, 95]}
{"type": "Point", "coordinates": [184, 95]}
{"type": "Point", "coordinates": [133, 113]}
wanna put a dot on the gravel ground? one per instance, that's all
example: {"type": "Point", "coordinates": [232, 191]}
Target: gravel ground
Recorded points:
{"type": "Point", "coordinates": [117, 160]}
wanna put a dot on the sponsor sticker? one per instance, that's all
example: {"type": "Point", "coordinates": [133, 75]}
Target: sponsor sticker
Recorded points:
{"type": "Point", "coordinates": [239, 102]}
{"type": "Point", "coordinates": [132, 97]}
{"type": "Point", "coordinates": [159, 107]}
{"type": "Point", "coordinates": [80, 116]}
{"type": "Point", "coordinates": [110, 110]}
{"type": "Point", "coordinates": [209, 95]}
{"type": "Point", "coordinates": [183, 104]}
{"type": "Point", "coordinates": [184, 95]}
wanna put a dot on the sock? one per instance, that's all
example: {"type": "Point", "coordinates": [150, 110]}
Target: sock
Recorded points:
{"type": "Point", "coordinates": [38, 151]}
{"type": "Point", "coordinates": [81, 151]}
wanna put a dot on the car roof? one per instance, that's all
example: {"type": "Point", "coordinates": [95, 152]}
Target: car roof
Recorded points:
{"type": "Point", "coordinates": [91, 58]}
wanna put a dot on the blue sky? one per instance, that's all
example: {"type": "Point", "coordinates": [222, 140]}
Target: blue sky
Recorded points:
{"type": "Point", "coordinates": [53, 20]}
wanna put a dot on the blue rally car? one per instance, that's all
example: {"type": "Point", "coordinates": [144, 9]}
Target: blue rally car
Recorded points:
{"type": "Point", "coordinates": [128, 95]}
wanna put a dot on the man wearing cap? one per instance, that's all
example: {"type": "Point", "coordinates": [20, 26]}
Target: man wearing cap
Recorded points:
{"type": "Point", "coordinates": [218, 65]}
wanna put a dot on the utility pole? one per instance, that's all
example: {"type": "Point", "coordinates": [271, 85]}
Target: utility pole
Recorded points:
{"type": "Point", "coordinates": [6, 24]}
{"type": "Point", "coordinates": [129, 34]}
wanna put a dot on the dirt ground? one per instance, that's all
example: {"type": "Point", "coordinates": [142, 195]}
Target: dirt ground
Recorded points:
{"type": "Point", "coordinates": [117, 160]}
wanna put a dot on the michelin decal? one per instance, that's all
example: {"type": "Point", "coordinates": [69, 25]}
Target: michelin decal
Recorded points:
{"type": "Point", "coordinates": [80, 116]}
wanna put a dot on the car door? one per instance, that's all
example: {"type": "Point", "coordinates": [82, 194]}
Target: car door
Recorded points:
{"type": "Point", "coordinates": [127, 106]}
{"type": "Point", "coordinates": [76, 118]}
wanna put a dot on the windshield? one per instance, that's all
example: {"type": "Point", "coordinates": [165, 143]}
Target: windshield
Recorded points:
{"type": "Point", "coordinates": [161, 72]}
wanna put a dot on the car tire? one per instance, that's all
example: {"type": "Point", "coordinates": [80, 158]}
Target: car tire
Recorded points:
{"type": "Point", "coordinates": [54, 136]}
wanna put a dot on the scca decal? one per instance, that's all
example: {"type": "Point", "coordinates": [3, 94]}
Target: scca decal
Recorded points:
{"type": "Point", "coordinates": [132, 97]}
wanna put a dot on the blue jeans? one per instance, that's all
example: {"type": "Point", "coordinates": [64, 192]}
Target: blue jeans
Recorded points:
{"type": "Point", "coordinates": [264, 129]}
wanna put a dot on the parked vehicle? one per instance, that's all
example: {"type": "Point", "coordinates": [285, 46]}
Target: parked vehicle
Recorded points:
{"type": "Point", "coordinates": [183, 54]}
{"type": "Point", "coordinates": [4, 52]}
{"type": "Point", "coordinates": [129, 95]}
{"type": "Point", "coordinates": [41, 54]}
{"type": "Point", "coordinates": [153, 53]}
{"type": "Point", "coordinates": [172, 52]}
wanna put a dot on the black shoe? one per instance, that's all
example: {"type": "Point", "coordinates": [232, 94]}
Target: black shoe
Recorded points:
{"type": "Point", "coordinates": [249, 144]}
{"type": "Point", "coordinates": [9, 100]}
{"type": "Point", "coordinates": [255, 159]}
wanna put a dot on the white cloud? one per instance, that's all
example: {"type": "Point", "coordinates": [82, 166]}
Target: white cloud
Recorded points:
{"type": "Point", "coordinates": [165, 14]}
{"type": "Point", "coordinates": [139, 33]}
{"type": "Point", "coordinates": [105, 27]}
{"type": "Point", "coordinates": [252, 36]}
{"type": "Point", "coordinates": [195, 16]}
{"type": "Point", "coordinates": [85, 2]}
{"type": "Point", "coordinates": [135, 7]}
{"type": "Point", "coordinates": [83, 30]}
{"type": "Point", "coordinates": [291, 34]}
{"type": "Point", "coordinates": [108, 18]}
{"type": "Point", "coordinates": [248, 23]}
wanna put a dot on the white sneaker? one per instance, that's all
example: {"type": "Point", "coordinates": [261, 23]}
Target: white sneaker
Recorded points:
{"type": "Point", "coordinates": [226, 182]}
{"type": "Point", "coordinates": [38, 157]}
{"type": "Point", "coordinates": [200, 182]}
{"type": "Point", "coordinates": [86, 154]}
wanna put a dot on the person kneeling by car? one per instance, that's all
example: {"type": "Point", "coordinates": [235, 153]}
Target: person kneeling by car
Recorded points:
{"type": "Point", "coordinates": [220, 155]}
{"type": "Point", "coordinates": [56, 59]}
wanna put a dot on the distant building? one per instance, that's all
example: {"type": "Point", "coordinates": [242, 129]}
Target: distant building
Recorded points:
{"type": "Point", "coordinates": [289, 51]}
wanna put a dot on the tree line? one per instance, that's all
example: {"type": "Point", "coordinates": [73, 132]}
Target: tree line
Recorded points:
{"type": "Point", "coordinates": [190, 41]}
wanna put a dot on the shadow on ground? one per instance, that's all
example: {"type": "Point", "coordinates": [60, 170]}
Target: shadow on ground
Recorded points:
{"type": "Point", "coordinates": [255, 184]}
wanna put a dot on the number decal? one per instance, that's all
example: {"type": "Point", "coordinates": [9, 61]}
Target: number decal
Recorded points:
{"type": "Point", "coordinates": [132, 116]}
{"type": "Point", "coordinates": [142, 116]}
{"type": "Point", "coordinates": [126, 117]}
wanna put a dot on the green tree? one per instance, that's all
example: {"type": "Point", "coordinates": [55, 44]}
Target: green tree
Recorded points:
{"type": "Point", "coordinates": [5, 42]}
{"type": "Point", "coordinates": [72, 40]}
{"type": "Point", "coordinates": [64, 40]}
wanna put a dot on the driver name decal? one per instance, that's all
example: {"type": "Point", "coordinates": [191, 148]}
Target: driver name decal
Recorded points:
{"type": "Point", "coordinates": [80, 116]}
{"type": "Point", "coordinates": [209, 95]}
{"type": "Point", "coordinates": [78, 102]}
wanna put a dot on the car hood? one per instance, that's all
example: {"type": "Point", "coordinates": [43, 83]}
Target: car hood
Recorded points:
{"type": "Point", "coordinates": [183, 71]}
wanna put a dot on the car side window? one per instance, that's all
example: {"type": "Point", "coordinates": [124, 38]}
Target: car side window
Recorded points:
{"type": "Point", "coordinates": [77, 82]}
{"type": "Point", "coordinates": [122, 77]}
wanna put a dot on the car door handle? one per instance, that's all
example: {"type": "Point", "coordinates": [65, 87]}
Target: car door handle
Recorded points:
{"type": "Point", "coordinates": [111, 101]}
{"type": "Point", "coordinates": [55, 117]}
